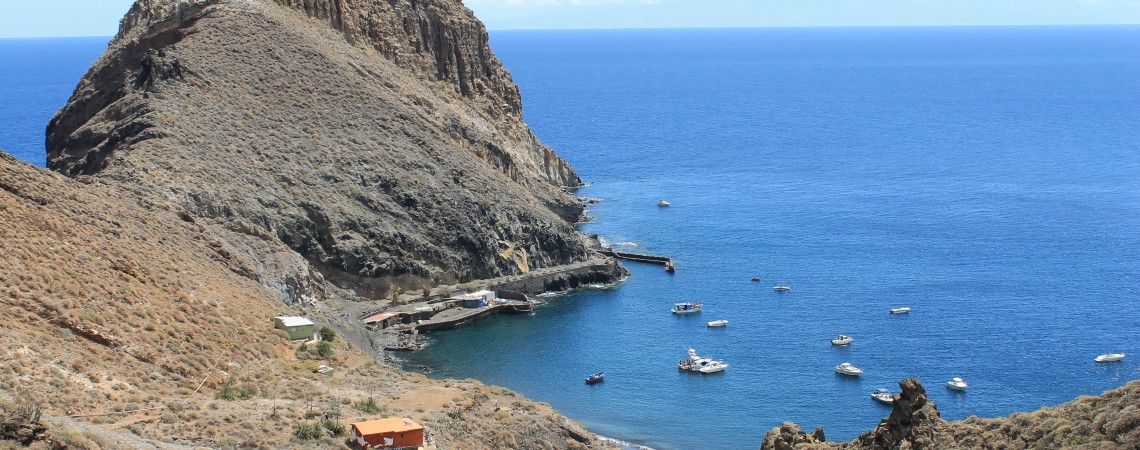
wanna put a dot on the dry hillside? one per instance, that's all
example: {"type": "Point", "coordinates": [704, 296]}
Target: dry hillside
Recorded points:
{"type": "Point", "coordinates": [342, 144]}
{"type": "Point", "coordinates": [1110, 421]}
{"type": "Point", "coordinates": [130, 325]}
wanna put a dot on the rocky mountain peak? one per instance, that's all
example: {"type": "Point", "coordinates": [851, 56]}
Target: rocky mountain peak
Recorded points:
{"type": "Point", "coordinates": [379, 142]}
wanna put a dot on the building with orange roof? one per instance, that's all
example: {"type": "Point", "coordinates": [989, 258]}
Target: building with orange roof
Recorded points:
{"type": "Point", "coordinates": [393, 432]}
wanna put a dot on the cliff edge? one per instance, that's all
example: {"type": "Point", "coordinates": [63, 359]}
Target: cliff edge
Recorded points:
{"type": "Point", "coordinates": [1110, 421]}
{"type": "Point", "coordinates": [356, 146]}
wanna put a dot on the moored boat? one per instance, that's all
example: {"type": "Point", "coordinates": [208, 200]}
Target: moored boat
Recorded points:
{"type": "Point", "coordinates": [687, 308]}
{"type": "Point", "coordinates": [1110, 357]}
{"type": "Point", "coordinates": [695, 363]}
{"type": "Point", "coordinates": [957, 384]}
{"type": "Point", "coordinates": [883, 395]}
{"type": "Point", "coordinates": [718, 323]}
{"type": "Point", "coordinates": [842, 339]}
{"type": "Point", "coordinates": [848, 369]}
{"type": "Point", "coordinates": [596, 378]}
{"type": "Point", "coordinates": [900, 310]}
{"type": "Point", "coordinates": [781, 288]}
{"type": "Point", "coordinates": [663, 203]}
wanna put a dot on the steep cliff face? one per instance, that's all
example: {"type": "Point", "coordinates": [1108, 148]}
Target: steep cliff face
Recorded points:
{"type": "Point", "coordinates": [380, 141]}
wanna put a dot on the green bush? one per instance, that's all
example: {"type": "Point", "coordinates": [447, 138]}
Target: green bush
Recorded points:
{"type": "Point", "coordinates": [327, 334]}
{"type": "Point", "coordinates": [231, 391]}
{"type": "Point", "coordinates": [369, 407]}
{"type": "Point", "coordinates": [334, 428]}
{"type": "Point", "coordinates": [325, 349]}
{"type": "Point", "coordinates": [308, 432]}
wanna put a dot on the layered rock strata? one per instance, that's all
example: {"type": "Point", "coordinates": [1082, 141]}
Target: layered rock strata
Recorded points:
{"type": "Point", "coordinates": [359, 145]}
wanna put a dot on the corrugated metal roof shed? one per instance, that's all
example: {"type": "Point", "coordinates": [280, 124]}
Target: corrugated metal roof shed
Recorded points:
{"type": "Point", "coordinates": [389, 425]}
{"type": "Point", "coordinates": [294, 321]}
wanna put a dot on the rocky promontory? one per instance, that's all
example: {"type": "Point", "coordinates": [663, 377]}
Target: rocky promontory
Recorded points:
{"type": "Point", "coordinates": [1110, 421]}
{"type": "Point", "coordinates": [348, 148]}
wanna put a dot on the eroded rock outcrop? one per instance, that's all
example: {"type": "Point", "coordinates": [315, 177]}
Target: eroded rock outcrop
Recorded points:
{"type": "Point", "coordinates": [914, 422]}
{"type": "Point", "coordinates": [1110, 421]}
{"type": "Point", "coordinates": [379, 142]}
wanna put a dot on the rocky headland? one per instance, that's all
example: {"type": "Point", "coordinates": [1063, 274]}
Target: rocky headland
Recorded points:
{"type": "Point", "coordinates": [349, 148]}
{"type": "Point", "coordinates": [1110, 421]}
{"type": "Point", "coordinates": [227, 161]}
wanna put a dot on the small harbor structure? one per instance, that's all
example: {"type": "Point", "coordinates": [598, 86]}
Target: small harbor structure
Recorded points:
{"type": "Point", "coordinates": [670, 265]}
{"type": "Point", "coordinates": [297, 328]}
{"type": "Point", "coordinates": [393, 432]}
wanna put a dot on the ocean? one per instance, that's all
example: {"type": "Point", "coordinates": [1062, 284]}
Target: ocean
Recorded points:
{"type": "Point", "coordinates": [986, 177]}
{"type": "Point", "coordinates": [37, 76]}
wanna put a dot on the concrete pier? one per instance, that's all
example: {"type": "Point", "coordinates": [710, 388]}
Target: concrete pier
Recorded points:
{"type": "Point", "coordinates": [668, 262]}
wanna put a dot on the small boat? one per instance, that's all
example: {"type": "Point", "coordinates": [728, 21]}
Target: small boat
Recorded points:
{"type": "Point", "coordinates": [1110, 357]}
{"type": "Point", "coordinates": [902, 310]}
{"type": "Point", "coordinates": [957, 384]}
{"type": "Point", "coordinates": [755, 278]}
{"type": "Point", "coordinates": [842, 339]}
{"type": "Point", "coordinates": [781, 288]}
{"type": "Point", "coordinates": [687, 308]}
{"type": "Point", "coordinates": [718, 323]}
{"type": "Point", "coordinates": [663, 203]}
{"type": "Point", "coordinates": [847, 369]}
{"type": "Point", "coordinates": [710, 366]}
{"type": "Point", "coordinates": [596, 378]}
{"type": "Point", "coordinates": [700, 364]}
{"type": "Point", "coordinates": [883, 395]}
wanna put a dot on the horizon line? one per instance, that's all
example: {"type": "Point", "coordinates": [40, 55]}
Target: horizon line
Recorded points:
{"type": "Point", "coordinates": [111, 36]}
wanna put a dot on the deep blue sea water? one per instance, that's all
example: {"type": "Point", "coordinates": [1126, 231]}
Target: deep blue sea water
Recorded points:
{"type": "Point", "coordinates": [987, 177]}
{"type": "Point", "coordinates": [37, 76]}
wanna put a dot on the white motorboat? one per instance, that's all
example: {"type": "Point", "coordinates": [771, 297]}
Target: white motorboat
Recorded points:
{"type": "Point", "coordinates": [842, 339]}
{"type": "Point", "coordinates": [1110, 357]}
{"type": "Point", "coordinates": [687, 308]}
{"type": "Point", "coordinates": [902, 310]}
{"type": "Point", "coordinates": [781, 288]}
{"type": "Point", "coordinates": [695, 363]}
{"type": "Point", "coordinates": [710, 366]}
{"type": "Point", "coordinates": [883, 395]}
{"type": "Point", "coordinates": [718, 323]}
{"type": "Point", "coordinates": [663, 203]}
{"type": "Point", "coordinates": [848, 369]}
{"type": "Point", "coordinates": [957, 384]}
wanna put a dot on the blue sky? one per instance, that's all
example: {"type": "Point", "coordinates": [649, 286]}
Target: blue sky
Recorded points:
{"type": "Point", "coordinates": [40, 18]}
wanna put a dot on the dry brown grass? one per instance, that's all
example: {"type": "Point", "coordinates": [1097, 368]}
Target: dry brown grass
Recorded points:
{"type": "Point", "coordinates": [121, 313]}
